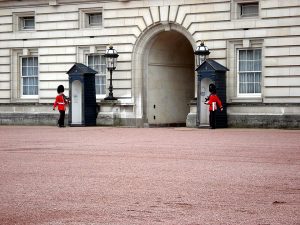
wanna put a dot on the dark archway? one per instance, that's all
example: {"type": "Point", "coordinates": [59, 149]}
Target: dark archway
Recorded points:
{"type": "Point", "coordinates": [147, 45]}
{"type": "Point", "coordinates": [170, 80]}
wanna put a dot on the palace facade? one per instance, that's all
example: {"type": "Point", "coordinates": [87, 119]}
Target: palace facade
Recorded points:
{"type": "Point", "coordinates": [155, 79]}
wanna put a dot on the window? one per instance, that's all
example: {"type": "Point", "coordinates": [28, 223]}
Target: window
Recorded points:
{"type": "Point", "coordinates": [97, 63]}
{"type": "Point", "coordinates": [94, 20]}
{"type": "Point", "coordinates": [29, 76]}
{"type": "Point", "coordinates": [249, 72]}
{"type": "Point", "coordinates": [244, 9]}
{"type": "Point", "coordinates": [91, 18]}
{"type": "Point", "coordinates": [93, 57]}
{"type": "Point", "coordinates": [27, 23]}
{"type": "Point", "coordinates": [24, 75]}
{"type": "Point", "coordinates": [249, 9]}
{"type": "Point", "coordinates": [23, 21]}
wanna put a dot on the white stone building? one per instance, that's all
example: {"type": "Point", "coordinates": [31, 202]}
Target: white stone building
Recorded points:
{"type": "Point", "coordinates": [155, 79]}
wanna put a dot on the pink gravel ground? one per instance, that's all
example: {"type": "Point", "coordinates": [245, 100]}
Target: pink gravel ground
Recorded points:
{"type": "Point", "coordinates": [128, 176]}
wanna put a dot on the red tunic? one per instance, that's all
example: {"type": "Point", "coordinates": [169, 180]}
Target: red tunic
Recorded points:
{"type": "Point", "coordinates": [214, 102]}
{"type": "Point", "coordinates": [60, 102]}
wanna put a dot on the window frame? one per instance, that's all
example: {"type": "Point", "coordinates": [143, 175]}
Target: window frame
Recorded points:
{"type": "Point", "coordinates": [251, 95]}
{"type": "Point", "coordinates": [98, 96]}
{"type": "Point", "coordinates": [236, 9]}
{"type": "Point", "coordinates": [22, 23]}
{"type": "Point", "coordinates": [84, 16]}
{"type": "Point", "coordinates": [22, 95]}
{"type": "Point", "coordinates": [18, 21]}
{"type": "Point", "coordinates": [231, 62]}
{"type": "Point", "coordinates": [241, 15]}
{"type": "Point", "coordinates": [92, 25]}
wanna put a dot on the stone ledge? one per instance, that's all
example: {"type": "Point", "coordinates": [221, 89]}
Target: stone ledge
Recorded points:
{"type": "Point", "coordinates": [264, 121]}
{"type": "Point", "coordinates": [29, 119]}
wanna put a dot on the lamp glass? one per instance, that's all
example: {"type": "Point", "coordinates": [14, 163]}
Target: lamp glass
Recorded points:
{"type": "Point", "coordinates": [201, 53]}
{"type": "Point", "coordinates": [111, 56]}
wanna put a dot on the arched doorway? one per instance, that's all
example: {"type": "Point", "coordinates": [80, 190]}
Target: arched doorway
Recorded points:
{"type": "Point", "coordinates": [163, 73]}
{"type": "Point", "coordinates": [170, 79]}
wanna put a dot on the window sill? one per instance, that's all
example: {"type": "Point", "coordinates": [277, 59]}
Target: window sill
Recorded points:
{"type": "Point", "coordinates": [246, 18]}
{"type": "Point", "coordinates": [26, 30]}
{"type": "Point", "coordinates": [26, 100]}
{"type": "Point", "coordinates": [91, 28]}
{"type": "Point", "coordinates": [247, 100]}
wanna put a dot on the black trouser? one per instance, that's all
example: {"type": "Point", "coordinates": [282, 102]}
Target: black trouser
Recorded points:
{"type": "Point", "coordinates": [61, 120]}
{"type": "Point", "coordinates": [212, 119]}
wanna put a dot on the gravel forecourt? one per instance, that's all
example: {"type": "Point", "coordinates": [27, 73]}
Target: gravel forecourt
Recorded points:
{"type": "Point", "coordinates": [155, 176]}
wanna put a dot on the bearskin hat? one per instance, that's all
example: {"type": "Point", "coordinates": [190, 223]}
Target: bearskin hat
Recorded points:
{"type": "Point", "coordinates": [60, 89]}
{"type": "Point", "coordinates": [212, 89]}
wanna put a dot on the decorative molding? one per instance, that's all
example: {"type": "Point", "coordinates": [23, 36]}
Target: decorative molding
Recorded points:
{"type": "Point", "coordinates": [53, 2]}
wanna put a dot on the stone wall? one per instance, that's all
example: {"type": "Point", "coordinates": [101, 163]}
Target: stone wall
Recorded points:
{"type": "Point", "coordinates": [60, 39]}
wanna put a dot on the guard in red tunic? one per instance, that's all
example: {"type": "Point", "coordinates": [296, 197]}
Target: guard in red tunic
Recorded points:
{"type": "Point", "coordinates": [61, 101]}
{"type": "Point", "coordinates": [214, 103]}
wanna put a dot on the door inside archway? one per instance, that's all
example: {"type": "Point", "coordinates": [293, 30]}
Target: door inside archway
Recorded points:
{"type": "Point", "coordinates": [170, 79]}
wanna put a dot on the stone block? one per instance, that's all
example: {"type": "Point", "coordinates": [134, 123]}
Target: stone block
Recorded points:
{"type": "Point", "coordinates": [173, 12]}
{"type": "Point", "coordinates": [277, 92]}
{"type": "Point", "coordinates": [264, 121]}
{"type": "Point", "coordinates": [124, 66]}
{"type": "Point", "coordinates": [123, 93]}
{"type": "Point", "coordinates": [282, 41]}
{"type": "Point", "coordinates": [29, 119]}
{"type": "Point", "coordinates": [5, 94]}
{"type": "Point", "coordinates": [271, 61]}
{"type": "Point", "coordinates": [164, 12]}
{"type": "Point", "coordinates": [6, 20]}
{"type": "Point", "coordinates": [155, 13]}
{"type": "Point", "coordinates": [140, 23]}
{"type": "Point", "coordinates": [270, 81]}
{"type": "Point", "coordinates": [5, 77]}
{"type": "Point", "coordinates": [275, 71]}
{"type": "Point", "coordinates": [295, 91]}
{"type": "Point", "coordinates": [278, 32]}
{"type": "Point", "coordinates": [122, 84]}
{"type": "Point", "coordinates": [269, 4]}
{"type": "Point", "coordinates": [5, 52]}
{"type": "Point", "coordinates": [294, 50]}
{"type": "Point", "coordinates": [68, 42]}
{"type": "Point", "coordinates": [191, 120]}
{"type": "Point", "coordinates": [122, 74]}
{"type": "Point", "coordinates": [289, 3]}
{"type": "Point", "coordinates": [57, 59]}
{"type": "Point", "coordinates": [217, 54]}
{"type": "Point", "coordinates": [5, 85]}
{"type": "Point", "coordinates": [5, 28]}
{"type": "Point", "coordinates": [277, 12]}
{"type": "Point", "coordinates": [289, 61]}
{"type": "Point", "coordinates": [52, 84]}
{"type": "Point", "coordinates": [45, 76]}
{"type": "Point", "coordinates": [118, 22]}
{"type": "Point", "coordinates": [124, 57]}
{"type": "Point", "coordinates": [273, 51]}
{"type": "Point", "coordinates": [56, 68]}
{"type": "Point", "coordinates": [294, 71]}
{"type": "Point", "coordinates": [4, 60]}
{"type": "Point", "coordinates": [5, 68]}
